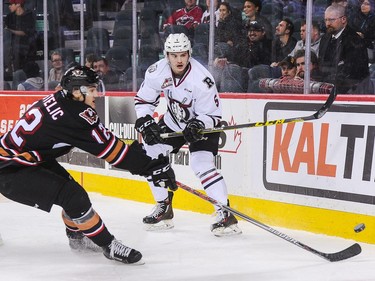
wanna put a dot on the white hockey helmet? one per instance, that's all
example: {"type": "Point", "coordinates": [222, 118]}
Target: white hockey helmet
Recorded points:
{"type": "Point", "coordinates": [177, 42]}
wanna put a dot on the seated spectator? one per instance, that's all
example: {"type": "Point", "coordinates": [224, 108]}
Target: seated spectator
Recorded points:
{"type": "Point", "coordinates": [33, 80]}
{"type": "Point", "coordinates": [228, 75]}
{"type": "Point", "coordinates": [189, 16]}
{"type": "Point", "coordinates": [110, 77]}
{"type": "Point", "coordinates": [351, 8]}
{"type": "Point", "coordinates": [315, 38]}
{"type": "Point", "coordinates": [57, 70]}
{"type": "Point", "coordinates": [206, 13]}
{"type": "Point", "coordinates": [294, 9]}
{"type": "Point", "coordinates": [364, 22]}
{"type": "Point", "coordinates": [285, 68]}
{"type": "Point", "coordinates": [288, 67]}
{"type": "Point", "coordinates": [299, 59]}
{"type": "Point", "coordinates": [284, 42]}
{"type": "Point", "coordinates": [251, 9]}
{"type": "Point", "coordinates": [223, 55]}
{"type": "Point", "coordinates": [90, 59]}
{"type": "Point", "coordinates": [257, 49]}
{"type": "Point", "coordinates": [229, 29]}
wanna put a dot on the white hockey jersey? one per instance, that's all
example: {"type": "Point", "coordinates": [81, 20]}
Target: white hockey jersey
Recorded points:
{"type": "Point", "coordinates": [192, 96]}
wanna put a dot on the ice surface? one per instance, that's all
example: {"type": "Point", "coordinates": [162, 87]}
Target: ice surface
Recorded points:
{"type": "Point", "coordinates": [36, 248]}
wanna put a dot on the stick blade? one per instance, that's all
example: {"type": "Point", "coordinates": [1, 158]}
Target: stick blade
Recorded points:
{"type": "Point", "coordinates": [347, 253]}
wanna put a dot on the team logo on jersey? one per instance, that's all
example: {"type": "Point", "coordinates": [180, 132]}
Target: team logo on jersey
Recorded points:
{"type": "Point", "coordinates": [185, 19]}
{"type": "Point", "coordinates": [180, 110]}
{"type": "Point", "coordinates": [152, 68]}
{"type": "Point", "coordinates": [167, 82]}
{"type": "Point", "coordinates": [90, 116]}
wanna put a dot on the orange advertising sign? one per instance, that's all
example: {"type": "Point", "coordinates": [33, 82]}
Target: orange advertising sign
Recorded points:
{"type": "Point", "coordinates": [12, 107]}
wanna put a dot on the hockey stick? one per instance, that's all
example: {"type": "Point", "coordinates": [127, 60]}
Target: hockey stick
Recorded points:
{"type": "Point", "coordinates": [316, 115]}
{"type": "Point", "coordinates": [349, 252]}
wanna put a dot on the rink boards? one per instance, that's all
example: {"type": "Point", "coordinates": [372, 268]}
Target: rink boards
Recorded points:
{"type": "Point", "coordinates": [316, 176]}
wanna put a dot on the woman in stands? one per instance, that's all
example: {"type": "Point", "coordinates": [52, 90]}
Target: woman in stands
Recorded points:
{"type": "Point", "coordinates": [229, 28]}
{"type": "Point", "coordinates": [251, 9]}
{"type": "Point", "coordinates": [364, 22]}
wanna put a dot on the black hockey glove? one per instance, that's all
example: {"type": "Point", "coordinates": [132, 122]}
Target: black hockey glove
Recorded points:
{"type": "Point", "coordinates": [162, 173]}
{"type": "Point", "coordinates": [149, 129]}
{"type": "Point", "coordinates": [192, 130]}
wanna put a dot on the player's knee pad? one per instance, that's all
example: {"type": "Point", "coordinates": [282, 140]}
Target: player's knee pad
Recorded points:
{"type": "Point", "coordinates": [87, 220]}
{"type": "Point", "coordinates": [73, 199]}
{"type": "Point", "coordinates": [202, 162]}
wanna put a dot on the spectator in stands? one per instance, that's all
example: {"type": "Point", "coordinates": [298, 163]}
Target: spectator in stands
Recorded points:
{"type": "Point", "coordinates": [364, 22]}
{"type": "Point", "coordinates": [61, 18]}
{"type": "Point", "coordinates": [299, 58]}
{"type": "Point", "coordinates": [294, 9]}
{"type": "Point", "coordinates": [90, 59]}
{"type": "Point", "coordinates": [229, 29]}
{"type": "Point", "coordinates": [189, 16]}
{"type": "Point", "coordinates": [57, 70]}
{"type": "Point", "coordinates": [284, 42]}
{"type": "Point", "coordinates": [285, 68]}
{"type": "Point", "coordinates": [33, 82]}
{"type": "Point", "coordinates": [206, 13]}
{"type": "Point", "coordinates": [251, 9]}
{"type": "Point", "coordinates": [288, 67]}
{"type": "Point", "coordinates": [110, 77]}
{"type": "Point", "coordinates": [315, 38]}
{"type": "Point", "coordinates": [21, 23]}
{"type": "Point", "coordinates": [281, 64]}
{"type": "Point", "coordinates": [343, 57]}
{"type": "Point", "coordinates": [227, 74]}
{"type": "Point", "coordinates": [349, 5]}
{"type": "Point", "coordinates": [257, 49]}
{"type": "Point", "coordinates": [223, 55]}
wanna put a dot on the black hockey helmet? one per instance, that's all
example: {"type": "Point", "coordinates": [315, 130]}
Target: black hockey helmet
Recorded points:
{"type": "Point", "coordinates": [79, 77]}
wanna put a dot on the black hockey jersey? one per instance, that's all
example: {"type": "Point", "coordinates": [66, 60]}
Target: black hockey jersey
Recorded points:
{"type": "Point", "coordinates": [52, 126]}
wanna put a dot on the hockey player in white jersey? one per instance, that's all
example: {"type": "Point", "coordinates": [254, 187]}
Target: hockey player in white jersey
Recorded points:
{"type": "Point", "coordinates": [193, 104]}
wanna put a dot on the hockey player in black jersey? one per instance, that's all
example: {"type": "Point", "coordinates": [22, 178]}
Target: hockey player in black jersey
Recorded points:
{"type": "Point", "coordinates": [30, 174]}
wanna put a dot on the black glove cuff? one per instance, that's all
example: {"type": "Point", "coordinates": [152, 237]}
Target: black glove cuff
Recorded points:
{"type": "Point", "coordinates": [143, 122]}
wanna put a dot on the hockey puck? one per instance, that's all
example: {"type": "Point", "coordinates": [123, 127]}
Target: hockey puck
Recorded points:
{"type": "Point", "coordinates": [359, 227]}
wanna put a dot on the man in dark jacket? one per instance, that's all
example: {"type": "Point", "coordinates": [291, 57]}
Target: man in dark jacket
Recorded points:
{"type": "Point", "coordinates": [284, 41]}
{"type": "Point", "coordinates": [257, 49]}
{"type": "Point", "coordinates": [21, 24]}
{"type": "Point", "coordinates": [343, 58]}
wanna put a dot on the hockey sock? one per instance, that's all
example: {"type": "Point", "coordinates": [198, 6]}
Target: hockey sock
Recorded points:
{"type": "Point", "coordinates": [202, 163]}
{"type": "Point", "coordinates": [91, 225]}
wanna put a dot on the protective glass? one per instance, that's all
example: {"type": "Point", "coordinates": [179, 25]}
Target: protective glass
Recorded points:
{"type": "Point", "coordinates": [101, 88]}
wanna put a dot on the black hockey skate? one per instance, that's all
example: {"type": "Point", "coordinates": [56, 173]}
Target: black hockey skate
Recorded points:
{"type": "Point", "coordinates": [79, 242]}
{"type": "Point", "coordinates": [119, 252]}
{"type": "Point", "coordinates": [162, 215]}
{"type": "Point", "coordinates": [226, 224]}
